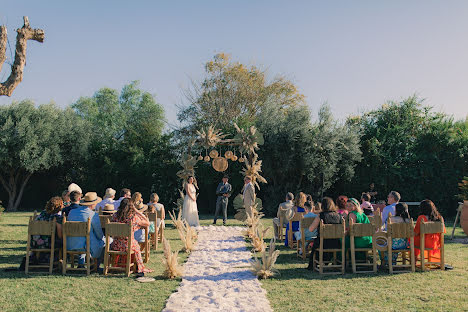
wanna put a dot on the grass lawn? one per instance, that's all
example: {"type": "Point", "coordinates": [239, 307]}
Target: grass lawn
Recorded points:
{"type": "Point", "coordinates": [294, 290]}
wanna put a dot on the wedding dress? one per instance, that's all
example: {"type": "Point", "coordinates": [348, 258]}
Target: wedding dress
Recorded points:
{"type": "Point", "coordinates": [190, 210]}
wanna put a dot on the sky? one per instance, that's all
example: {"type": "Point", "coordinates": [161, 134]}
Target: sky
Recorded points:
{"type": "Point", "coordinates": [354, 55]}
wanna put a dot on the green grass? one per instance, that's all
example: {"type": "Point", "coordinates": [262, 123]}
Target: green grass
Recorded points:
{"type": "Point", "coordinates": [296, 289]}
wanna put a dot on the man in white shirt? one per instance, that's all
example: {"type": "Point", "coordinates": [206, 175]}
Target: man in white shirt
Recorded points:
{"type": "Point", "coordinates": [392, 199]}
{"type": "Point", "coordinates": [108, 199]}
{"type": "Point", "coordinates": [124, 193]}
{"type": "Point", "coordinates": [282, 208]}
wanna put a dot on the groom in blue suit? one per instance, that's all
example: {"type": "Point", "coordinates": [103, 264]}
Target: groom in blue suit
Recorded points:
{"type": "Point", "coordinates": [223, 191]}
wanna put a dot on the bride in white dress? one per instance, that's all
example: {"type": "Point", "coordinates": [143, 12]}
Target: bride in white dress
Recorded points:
{"type": "Point", "coordinates": [190, 210]}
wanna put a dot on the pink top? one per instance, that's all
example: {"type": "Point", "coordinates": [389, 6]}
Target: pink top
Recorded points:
{"type": "Point", "coordinates": [342, 211]}
{"type": "Point", "coordinates": [366, 205]}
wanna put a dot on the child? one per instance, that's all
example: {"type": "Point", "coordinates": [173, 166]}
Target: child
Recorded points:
{"type": "Point", "coordinates": [366, 205]}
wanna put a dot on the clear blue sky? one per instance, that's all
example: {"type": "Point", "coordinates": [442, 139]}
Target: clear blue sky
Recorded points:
{"type": "Point", "coordinates": [354, 54]}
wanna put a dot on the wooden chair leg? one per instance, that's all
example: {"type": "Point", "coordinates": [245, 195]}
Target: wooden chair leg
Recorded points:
{"type": "Point", "coordinates": [353, 254]}
{"type": "Point", "coordinates": [389, 256]}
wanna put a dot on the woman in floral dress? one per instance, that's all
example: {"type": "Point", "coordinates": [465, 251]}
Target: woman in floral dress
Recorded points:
{"type": "Point", "coordinates": [127, 213]}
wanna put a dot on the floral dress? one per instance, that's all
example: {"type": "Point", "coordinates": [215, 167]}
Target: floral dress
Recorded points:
{"type": "Point", "coordinates": [44, 241]}
{"type": "Point", "coordinates": [121, 244]}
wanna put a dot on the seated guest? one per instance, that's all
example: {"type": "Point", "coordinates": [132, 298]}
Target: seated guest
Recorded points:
{"type": "Point", "coordinates": [298, 207]}
{"type": "Point", "coordinates": [81, 214]}
{"type": "Point", "coordinates": [428, 213]}
{"type": "Point", "coordinates": [66, 198]}
{"type": "Point", "coordinates": [153, 206]}
{"type": "Point", "coordinates": [74, 187]}
{"type": "Point", "coordinates": [75, 198]}
{"type": "Point", "coordinates": [127, 213]}
{"type": "Point", "coordinates": [108, 199]}
{"type": "Point", "coordinates": [401, 216]}
{"type": "Point", "coordinates": [282, 208]}
{"type": "Point", "coordinates": [393, 198]}
{"type": "Point", "coordinates": [341, 205]}
{"type": "Point", "coordinates": [124, 193]}
{"type": "Point", "coordinates": [357, 215]}
{"type": "Point", "coordinates": [366, 205]}
{"type": "Point", "coordinates": [328, 216]}
{"type": "Point", "coordinates": [137, 199]}
{"type": "Point", "coordinates": [309, 214]}
{"type": "Point", "coordinates": [51, 211]}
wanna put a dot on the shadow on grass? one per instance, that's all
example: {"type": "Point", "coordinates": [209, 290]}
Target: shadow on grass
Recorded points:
{"type": "Point", "coordinates": [5, 225]}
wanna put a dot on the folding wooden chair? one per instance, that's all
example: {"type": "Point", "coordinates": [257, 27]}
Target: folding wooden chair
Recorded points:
{"type": "Point", "coordinates": [304, 244]}
{"type": "Point", "coordinates": [122, 230]}
{"type": "Point", "coordinates": [46, 228]}
{"type": "Point", "coordinates": [360, 230]}
{"type": "Point", "coordinates": [431, 228]}
{"type": "Point", "coordinates": [281, 232]}
{"type": "Point", "coordinates": [330, 231]}
{"type": "Point", "coordinates": [400, 230]}
{"type": "Point", "coordinates": [145, 246]}
{"type": "Point", "coordinates": [77, 229]}
{"type": "Point", "coordinates": [158, 230]}
{"type": "Point", "coordinates": [376, 219]}
{"type": "Point", "coordinates": [298, 216]}
{"type": "Point", "coordinates": [104, 218]}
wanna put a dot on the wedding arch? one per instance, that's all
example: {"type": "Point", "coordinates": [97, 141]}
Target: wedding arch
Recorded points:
{"type": "Point", "coordinates": [210, 139]}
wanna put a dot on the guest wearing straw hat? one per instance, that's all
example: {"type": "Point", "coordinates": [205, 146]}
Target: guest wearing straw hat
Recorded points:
{"type": "Point", "coordinates": [108, 199]}
{"type": "Point", "coordinates": [81, 214]}
{"type": "Point", "coordinates": [108, 209]}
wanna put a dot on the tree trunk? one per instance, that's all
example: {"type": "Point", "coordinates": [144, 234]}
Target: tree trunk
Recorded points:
{"type": "Point", "coordinates": [14, 197]}
{"type": "Point", "coordinates": [24, 34]}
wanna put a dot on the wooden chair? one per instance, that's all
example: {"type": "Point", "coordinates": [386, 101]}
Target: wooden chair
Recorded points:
{"type": "Point", "coordinates": [281, 230]}
{"type": "Point", "coordinates": [298, 216]}
{"type": "Point", "coordinates": [145, 246]}
{"type": "Point", "coordinates": [158, 230]}
{"type": "Point", "coordinates": [104, 218]}
{"type": "Point", "coordinates": [122, 230]}
{"type": "Point", "coordinates": [431, 228]}
{"type": "Point", "coordinates": [400, 230]}
{"type": "Point", "coordinates": [303, 245]}
{"type": "Point", "coordinates": [360, 230]}
{"type": "Point", "coordinates": [376, 219]}
{"type": "Point", "coordinates": [77, 229]}
{"type": "Point", "coordinates": [330, 231]}
{"type": "Point", "coordinates": [46, 228]}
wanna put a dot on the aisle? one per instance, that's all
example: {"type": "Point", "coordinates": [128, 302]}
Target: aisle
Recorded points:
{"type": "Point", "coordinates": [217, 276]}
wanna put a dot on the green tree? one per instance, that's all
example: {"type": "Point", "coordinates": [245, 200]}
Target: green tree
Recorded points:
{"type": "Point", "coordinates": [35, 139]}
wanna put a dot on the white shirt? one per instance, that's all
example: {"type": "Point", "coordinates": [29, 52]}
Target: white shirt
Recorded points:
{"type": "Point", "coordinates": [104, 202]}
{"type": "Point", "coordinates": [117, 203]}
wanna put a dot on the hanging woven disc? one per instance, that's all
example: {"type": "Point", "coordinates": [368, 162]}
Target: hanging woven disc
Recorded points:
{"type": "Point", "coordinates": [214, 154]}
{"type": "Point", "coordinates": [228, 154]}
{"type": "Point", "coordinates": [234, 158]}
{"type": "Point", "coordinates": [200, 157]}
{"type": "Point", "coordinates": [241, 159]}
{"type": "Point", "coordinates": [207, 158]}
{"type": "Point", "coordinates": [220, 164]}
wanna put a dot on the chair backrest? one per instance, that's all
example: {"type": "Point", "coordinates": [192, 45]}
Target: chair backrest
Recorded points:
{"type": "Point", "coordinates": [152, 216]}
{"type": "Point", "coordinates": [432, 227]}
{"type": "Point", "coordinates": [76, 228]}
{"type": "Point", "coordinates": [361, 229]}
{"type": "Point", "coordinates": [104, 219]}
{"type": "Point", "coordinates": [332, 230]}
{"type": "Point", "coordinates": [119, 229]}
{"type": "Point", "coordinates": [41, 227]}
{"type": "Point", "coordinates": [400, 230]}
{"type": "Point", "coordinates": [306, 222]}
{"type": "Point", "coordinates": [298, 216]}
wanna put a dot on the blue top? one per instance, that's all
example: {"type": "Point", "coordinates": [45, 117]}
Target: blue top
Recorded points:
{"type": "Point", "coordinates": [66, 210]}
{"type": "Point", "coordinates": [96, 237]}
{"type": "Point", "coordinates": [223, 189]}
{"type": "Point", "coordinates": [295, 226]}
{"type": "Point", "coordinates": [388, 209]}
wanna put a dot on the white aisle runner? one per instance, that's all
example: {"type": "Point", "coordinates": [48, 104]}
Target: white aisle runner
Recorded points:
{"type": "Point", "coordinates": [217, 276]}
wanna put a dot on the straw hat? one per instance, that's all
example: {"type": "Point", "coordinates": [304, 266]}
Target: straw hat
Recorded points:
{"type": "Point", "coordinates": [140, 205]}
{"type": "Point", "coordinates": [108, 208]}
{"type": "Point", "coordinates": [90, 199]}
{"type": "Point", "coordinates": [109, 193]}
{"type": "Point", "coordinates": [74, 187]}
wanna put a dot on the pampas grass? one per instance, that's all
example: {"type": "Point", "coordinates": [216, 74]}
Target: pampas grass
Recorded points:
{"type": "Point", "coordinates": [186, 233]}
{"type": "Point", "coordinates": [171, 261]}
{"type": "Point", "coordinates": [263, 268]}
{"type": "Point", "coordinates": [257, 241]}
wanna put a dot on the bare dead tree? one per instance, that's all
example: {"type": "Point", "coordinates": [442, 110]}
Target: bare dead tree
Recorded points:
{"type": "Point", "coordinates": [24, 34]}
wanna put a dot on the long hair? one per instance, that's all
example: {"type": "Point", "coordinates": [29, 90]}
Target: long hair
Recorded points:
{"type": "Point", "coordinates": [328, 204]}
{"type": "Point", "coordinates": [401, 210]}
{"type": "Point", "coordinates": [54, 205]}
{"type": "Point", "coordinates": [429, 209]}
{"type": "Point", "coordinates": [126, 210]}
{"type": "Point", "coordinates": [300, 200]}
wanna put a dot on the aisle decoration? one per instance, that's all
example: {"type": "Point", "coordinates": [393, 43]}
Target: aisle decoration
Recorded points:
{"type": "Point", "coordinates": [264, 268]}
{"type": "Point", "coordinates": [171, 261]}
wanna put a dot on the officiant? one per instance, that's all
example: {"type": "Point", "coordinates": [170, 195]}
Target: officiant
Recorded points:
{"type": "Point", "coordinates": [223, 191]}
